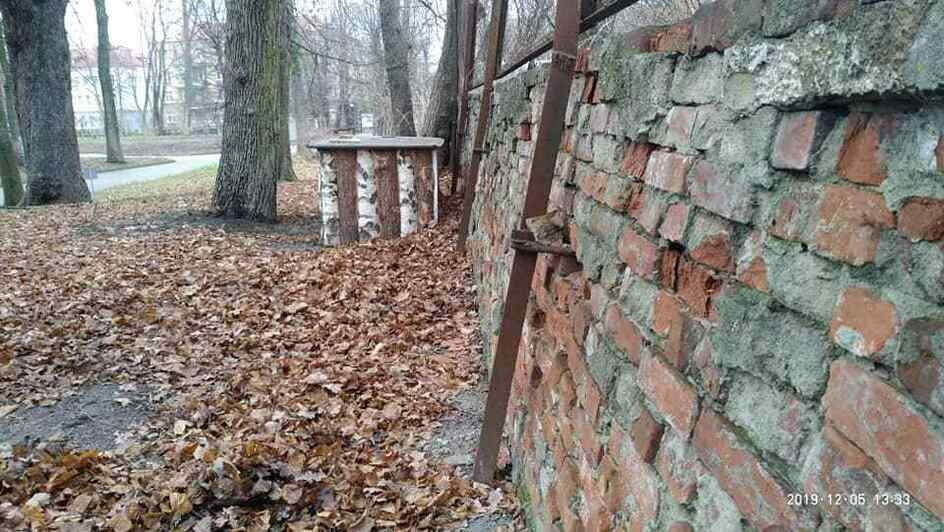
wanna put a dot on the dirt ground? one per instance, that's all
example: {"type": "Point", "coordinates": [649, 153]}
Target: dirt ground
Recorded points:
{"type": "Point", "coordinates": [163, 369]}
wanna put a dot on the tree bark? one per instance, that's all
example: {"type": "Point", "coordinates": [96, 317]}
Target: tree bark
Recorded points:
{"type": "Point", "coordinates": [112, 134]}
{"type": "Point", "coordinates": [287, 172]}
{"type": "Point", "coordinates": [252, 124]}
{"type": "Point", "coordinates": [188, 63]}
{"type": "Point", "coordinates": [397, 59]}
{"type": "Point", "coordinates": [442, 113]}
{"type": "Point", "coordinates": [9, 170]}
{"type": "Point", "coordinates": [39, 52]}
{"type": "Point", "coordinates": [9, 99]}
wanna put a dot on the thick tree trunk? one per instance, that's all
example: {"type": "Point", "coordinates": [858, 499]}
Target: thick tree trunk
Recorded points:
{"type": "Point", "coordinates": [397, 59]}
{"type": "Point", "coordinates": [39, 52]}
{"type": "Point", "coordinates": [9, 99]}
{"type": "Point", "coordinates": [112, 134]}
{"type": "Point", "coordinates": [442, 114]}
{"type": "Point", "coordinates": [252, 126]}
{"type": "Point", "coordinates": [288, 24]}
{"type": "Point", "coordinates": [9, 170]}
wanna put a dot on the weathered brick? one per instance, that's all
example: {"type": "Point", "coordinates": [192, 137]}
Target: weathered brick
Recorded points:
{"type": "Point", "coordinates": [665, 311]}
{"type": "Point", "coordinates": [669, 392]}
{"type": "Point", "coordinates": [922, 219]}
{"type": "Point", "coordinates": [679, 467]}
{"type": "Point", "coordinates": [646, 433]}
{"type": "Point", "coordinates": [524, 131]}
{"type": "Point", "coordinates": [775, 420]}
{"type": "Point", "coordinates": [863, 324]}
{"type": "Point", "coordinates": [710, 243]}
{"type": "Point", "coordinates": [751, 267]}
{"type": "Point", "coordinates": [696, 286]}
{"type": "Point", "coordinates": [641, 480]}
{"type": "Point", "coordinates": [679, 125]}
{"type": "Point", "coordinates": [756, 492]}
{"type": "Point", "coordinates": [794, 215]}
{"type": "Point", "coordinates": [640, 255]}
{"type": "Point", "coordinates": [681, 526]}
{"type": "Point", "coordinates": [798, 138]}
{"type": "Point", "coordinates": [860, 158]}
{"type": "Point", "coordinates": [718, 25]}
{"type": "Point", "coordinates": [836, 466]}
{"type": "Point", "coordinates": [721, 194]}
{"type": "Point", "coordinates": [672, 38]}
{"type": "Point", "coordinates": [668, 270]}
{"type": "Point", "coordinates": [675, 222]}
{"type": "Point", "coordinates": [850, 224]}
{"type": "Point", "coordinates": [624, 334]}
{"type": "Point", "coordinates": [876, 418]}
{"type": "Point", "coordinates": [599, 116]}
{"type": "Point", "coordinates": [939, 154]}
{"type": "Point", "coordinates": [921, 362]}
{"type": "Point", "coordinates": [667, 171]}
{"type": "Point", "coordinates": [636, 158]}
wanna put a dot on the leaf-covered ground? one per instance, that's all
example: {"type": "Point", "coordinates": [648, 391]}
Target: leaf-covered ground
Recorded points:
{"type": "Point", "coordinates": [294, 388]}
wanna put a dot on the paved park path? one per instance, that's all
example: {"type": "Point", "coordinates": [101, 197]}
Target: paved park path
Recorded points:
{"type": "Point", "coordinates": [181, 164]}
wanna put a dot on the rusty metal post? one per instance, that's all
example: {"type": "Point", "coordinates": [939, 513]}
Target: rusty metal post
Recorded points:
{"type": "Point", "coordinates": [496, 41]}
{"type": "Point", "coordinates": [466, 71]}
{"type": "Point", "coordinates": [540, 178]}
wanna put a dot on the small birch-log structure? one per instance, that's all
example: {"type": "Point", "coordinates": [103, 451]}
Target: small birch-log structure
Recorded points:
{"type": "Point", "coordinates": [374, 187]}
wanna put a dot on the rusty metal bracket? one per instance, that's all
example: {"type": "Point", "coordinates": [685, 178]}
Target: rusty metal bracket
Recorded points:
{"type": "Point", "coordinates": [540, 178]}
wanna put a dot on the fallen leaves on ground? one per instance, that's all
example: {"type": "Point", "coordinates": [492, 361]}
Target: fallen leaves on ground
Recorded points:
{"type": "Point", "coordinates": [296, 387]}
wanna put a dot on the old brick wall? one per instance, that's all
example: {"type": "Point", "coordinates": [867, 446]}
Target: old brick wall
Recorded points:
{"type": "Point", "coordinates": [756, 197]}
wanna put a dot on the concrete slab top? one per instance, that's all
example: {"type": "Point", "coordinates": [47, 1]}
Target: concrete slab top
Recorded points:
{"type": "Point", "coordinates": [377, 143]}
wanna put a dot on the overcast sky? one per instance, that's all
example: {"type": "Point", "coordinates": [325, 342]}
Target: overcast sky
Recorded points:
{"type": "Point", "coordinates": [123, 25]}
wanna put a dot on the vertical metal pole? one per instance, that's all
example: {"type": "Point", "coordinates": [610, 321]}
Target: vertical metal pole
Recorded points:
{"type": "Point", "coordinates": [540, 178]}
{"type": "Point", "coordinates": [496, 41]}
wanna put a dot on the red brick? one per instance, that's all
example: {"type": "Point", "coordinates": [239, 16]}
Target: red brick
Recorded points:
{"type": "Point", "coordinates": [680, 122]}
{"type": "Point", "coordinates": [860, 158]}
{"type": "Point", "coordinates": [624, 334]}
{"type": "Point", "coordinates": [711, 377]}
{"type": "Point", "coordinates": [673, 38]}
{"type": "Point", "coordinates": [718, 25]}
{"type": "Point", "coordinates": [580, 317]}
{"type": "Point", "coordinates": [668, 270]}
{"type": "Point", "coordinates": [922, 219]}
{"type": "Point", "coordinates": [593, 184]}
{"type": "Point", "coordinates": [589, 86]}
{"type": "Point", "coordinates": [675, 222]}
{"type": "Point", "coordinates": [752, 269]}
{"type": "Point", "coordinates": [565, 485]}
{"type": "Point", "coordinates": [875, 417]}
{"type": "Point", "coordinates": [797, 139]}
{"type": "Point", "coordinates": [611, 484]}
{"type": "Point", "coordinates": [583, 60]}
{"type": "Point", "coordinates": [668, 171]}
{"type": "Point", "coordinates": [920, 367]}
{"type": "Point", "coordinates": [712, 243]}
{"type": "Point", "coordinates": [755, 491]}
{"type": "Point", "coordinates": [721, 194]}
{"type": "Point", "coordinates": [681, 526]}
{"type": "Point", "coordinates": [589, 439]}
{"type": "Point", "coordinates": [669, 392]}
{"type": "Point", "coordinates": [636, 158]}
{"type": "Point", "coordinates": [524, 131]}
{"type": "Point", "coordinates": [646, 433]}
{"type": "Point", "coordinates": [666, 310]}
{"type": "Point", "coordinates": [599, 299]}
{"type": "Point", "coordinates": [850, 224]}
{"type": "Point", "coordinates": [696, 286]}
{"type": "Point", "coordinates": [639, 254]}
{"type": "Point", "coordinates": [863, 323]}
{"type": "Point", "coordinates": [837, 466]}
{"type": "Point", "coordinates": [679, 467]}
{"type": "Point", "coordinates": [641, 482]}
{"type": "Point", "coordinates": [792, 218]}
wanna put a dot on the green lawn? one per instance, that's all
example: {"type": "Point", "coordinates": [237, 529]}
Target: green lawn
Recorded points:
{"type": "Point", "coordinates": [199, 179]}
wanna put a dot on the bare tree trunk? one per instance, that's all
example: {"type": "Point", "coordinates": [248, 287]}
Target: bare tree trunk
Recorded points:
{"type": "Point", "coordinates": [397, 59]}
{"type": "Point", "coordinates": [9, 99]}
{"type": "Point", "coordinates": [252, 127]}
{"type": "Point", "coordinates": [288, 23]}
{"type": "Point", "coordinates": [39, 50]}
{"type": "Point", "coordinates": [442, 113]}
{"type": "Point", "coordinates": [188, 63]}
{"type": "Point", "coordinates": [9, 170]}
{"type": "Point", "coordinates": [112, 134]}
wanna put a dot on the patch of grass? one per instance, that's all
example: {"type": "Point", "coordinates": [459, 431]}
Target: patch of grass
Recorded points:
{"type": "Point", "coordinates": [197, 180]}
{"type": "Point", "coordinates": [103, 166]}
